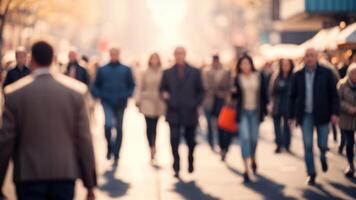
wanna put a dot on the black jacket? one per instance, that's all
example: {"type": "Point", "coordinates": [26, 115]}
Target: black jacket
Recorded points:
{"type": "Point", "coordinates": [81, 74]}
{"type": "Point", "coordinates": [15, 74]}
{"type": "Point", "coordinates": [326, 100]}
{"type": "Point", "coordinates": [186, 95]}
{"type": "Point", "coordinates": [262, 98]}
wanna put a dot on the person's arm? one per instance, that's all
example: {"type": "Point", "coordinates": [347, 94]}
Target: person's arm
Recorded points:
{"type": "Point", "coordinates": [96, 88]}
{"type": "Point", "coordinates": [8, 79]}
{"type": "Point", "coordinates": [334, 95]}
{"type": "Point", "coordinates": [7, 142]}
{"type": "Point", "coordinates": [164, 88]}
{"type": "Point", "coordinates": [199, 88]}
{"type": "Point", "coordinates": [84, 145]}
{"type": "Point", "coordinates": [345, 106]}
{"type": "Point", "coordinates": [292, 98]}
{"type": "Point", "coordinates": [131, 83]}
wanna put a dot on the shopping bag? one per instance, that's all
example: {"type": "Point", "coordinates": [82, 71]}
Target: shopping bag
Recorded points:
{"type": "Point", "coordinates": [227, 119]}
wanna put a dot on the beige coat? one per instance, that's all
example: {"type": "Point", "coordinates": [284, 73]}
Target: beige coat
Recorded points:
{"type": "Point", "coordinates": [46, 130]}
{"type": "Point", "coordinates": [348, 100]}
{"type": "Point", "coordinates": [217, 83]}
{"type": "Point", "coordinates": [149, 100]}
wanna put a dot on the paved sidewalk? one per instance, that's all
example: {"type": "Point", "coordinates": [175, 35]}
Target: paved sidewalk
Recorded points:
{"type": "Point", "coordinates": [281, 176]}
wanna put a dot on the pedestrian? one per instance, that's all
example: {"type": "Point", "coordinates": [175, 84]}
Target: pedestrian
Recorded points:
{"type": "Point", "coordinates": [149, 101]}
{"type": "Point", "coordinates": [183, 92]}
{"type": "Point", "coordinates": [252, 99]}
{"type": "Point", "coordinates": [75, 70]}
{"type": "Point", "coordinates": [314, 103]}
{"type": "Point", "coordinates": [347, 91]}
{"type": "Point", "coordinates": [342, 73]}
{"type": "Point", "coordinates": [20, 70]}
{"type": "Point", "coordinates": [46, 133]}
{"type": "Point", "coordinates": [113, 85]}
{"type": "Point", "coordinates": [217, 84]}
{"type": "Point", "coordinates": [280, 87]}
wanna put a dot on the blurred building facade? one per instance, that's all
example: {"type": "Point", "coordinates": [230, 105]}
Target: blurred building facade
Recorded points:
{"type": "Point", "coordinates": [295, 21]}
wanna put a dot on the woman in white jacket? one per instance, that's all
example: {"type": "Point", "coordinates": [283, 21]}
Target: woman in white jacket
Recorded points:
{"type": "Point", "coordinates": [149, 102]}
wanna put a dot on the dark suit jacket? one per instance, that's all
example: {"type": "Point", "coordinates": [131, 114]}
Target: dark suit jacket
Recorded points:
{"type": "Point", "coordinates": [325, 99]}
{"type": "Point", "coordinates": [81, 73]}
{"type": "Point", "coordinates": [185, 95]}
{"type": "Point", "coordinates": [46, 130]}
{"type": "Point", "coordinates": [15, 74]}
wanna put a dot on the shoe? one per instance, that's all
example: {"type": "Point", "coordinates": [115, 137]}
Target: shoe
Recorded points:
{"type": "Point", "coordinates": [340, 151]}
{"type": "Point", "coordinates": [350, 172]}
{"type": "Point", "coordinates": [254, 167]}
{"type": "Point", "coordinates": [223, 156]}
{"type": "Point", "coordinates": [176, 175]}
{"type": "Point", "coordinates": [278, 150]}
{"type": "Point", "coordinates": [246, 178]}
{"type": "Point", "coordinates": [108, 156]}
{"type": "Point", "coordinates": [191, 168]}
{"type": "Point", "coordinates": [324, 165]}
{"type": "Point", "coordinates": [311, 180]}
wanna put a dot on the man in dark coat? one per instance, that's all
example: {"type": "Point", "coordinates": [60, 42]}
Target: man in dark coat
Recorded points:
{"type": "Point", "coordinates": [76, 71]}
{"type": "Point", "coordinates": [314, 103]}
{"type": "Point", "coordinates": [20, 70]}
{"type": "Point", "coordinates": [182, 89]}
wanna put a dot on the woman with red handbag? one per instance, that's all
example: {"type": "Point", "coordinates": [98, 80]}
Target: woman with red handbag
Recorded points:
{"type": "Point", "coordinates": [252, 99]}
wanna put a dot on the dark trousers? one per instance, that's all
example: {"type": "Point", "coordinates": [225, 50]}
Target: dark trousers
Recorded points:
{"type": "Point", "coordinates": [350, 145]}
{"type": "Point", "coordinates": [224, 140]}
{"type": "Point", "coordinates": [342, 142]}
{"type": "Point", "coordinates": [45, 190]}
{"type": "Point", "coordinates": [151, 130]}
{"type": "Point", "coordinates": [189, 134]}
{"type": "Point", "coordinates": [113, 119]}
{"type": "Point", "coordinates": [282, 131]}
{"type": "Point", "coordinates": [334, 129]}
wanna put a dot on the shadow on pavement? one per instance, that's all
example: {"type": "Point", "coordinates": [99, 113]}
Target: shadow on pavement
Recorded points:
{"type": "Point", "coordinates": [114, 187]}
{"type": "Point", "coordinates": [190, 191]}
{"type": "Point", "coordinates": [321, 193]}
{"type": "Point", "coordinates": [350, 191]}
{"type": "Point", "coordinates": [264, 186]}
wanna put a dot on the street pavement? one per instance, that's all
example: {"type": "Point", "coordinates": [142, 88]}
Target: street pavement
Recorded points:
{"type": "Point", "coordinates": [280, 176]}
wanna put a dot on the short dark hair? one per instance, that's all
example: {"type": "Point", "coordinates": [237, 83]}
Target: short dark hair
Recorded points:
{"type": "Point", "coordinates": [42, 53]}
{"type": "Point", "coordinates": [239, 62]}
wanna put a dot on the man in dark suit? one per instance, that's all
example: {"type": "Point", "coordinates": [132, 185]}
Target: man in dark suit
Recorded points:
{"type": "Point", "coordinates": [46, 133]}
{"type": "Point", "coordinates": [76, 71]}
{"type": "Point", "coordinates": [20, 69]}
{"type": "Point", "coordinates": [182, 90]}
{"type": "Point", "coordinates": [314, 103]}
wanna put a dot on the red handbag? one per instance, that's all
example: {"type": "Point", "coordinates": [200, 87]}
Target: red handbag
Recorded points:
{"type": "Point", "coordinates": [227, 119]}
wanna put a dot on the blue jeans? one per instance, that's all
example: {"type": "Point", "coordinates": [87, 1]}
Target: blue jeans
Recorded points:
{"type": "Point", "coordinates": [113, 119]}
{"type": "Point", "coordinates": [43, 190]}
{"type": "Point", "coordinates": [308, 130]}
{"type": "Point", "coordinates": [249, 125]}
{"type": "Point", "coordinates": [282, 131]}
{"type": "Point", "coordinates": [210, 119]}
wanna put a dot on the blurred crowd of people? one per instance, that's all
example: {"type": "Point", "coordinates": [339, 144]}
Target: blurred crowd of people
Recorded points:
{"type": "Point", "coordinates": [46, 130]}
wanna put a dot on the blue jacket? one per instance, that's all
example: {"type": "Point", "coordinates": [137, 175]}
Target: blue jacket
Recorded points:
{"type": "Point", "coordinates": [113, 85]}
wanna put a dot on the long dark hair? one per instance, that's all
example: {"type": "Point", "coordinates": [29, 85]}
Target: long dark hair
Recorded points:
{"type": "Point", "coordinates": [239, 62]}
{"type": "Point", "coordinates": [291, 63]}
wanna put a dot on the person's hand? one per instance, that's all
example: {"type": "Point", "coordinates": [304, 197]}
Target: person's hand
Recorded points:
{"type": "Point", "coordinates": [91, 194]}
{"type": "Point", "coordinates": [334, 119]}
{"type": "Point", "coordinates": [166, 96]}
{"type": "Point", "coordinates": [292, 123]}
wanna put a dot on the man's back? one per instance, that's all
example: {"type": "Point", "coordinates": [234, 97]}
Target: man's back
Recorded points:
{"type": "Point", "coordinates": [46, 120]}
